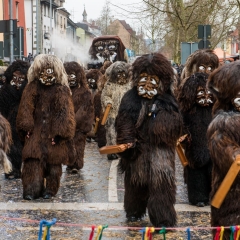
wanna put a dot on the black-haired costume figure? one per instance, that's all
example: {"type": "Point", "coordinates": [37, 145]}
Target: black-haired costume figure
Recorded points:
{"type": "Point", "coordinates": [106, 48]}
{"type": "Point", "coordinates": [195, 102]}
{"type": "Point", "coordinates": [95, 82]}
{"type": "Point", "coordinates": [224, 142]}
{"type": "Point", "coordinates": [10, 96]}
{"type": "Point", "coordinates": [46, 122]}
{"type": "Point", "coordinates": [117, 84]}
{"type": "Point", "coordinates": [149, 121]}
{"type": "Point", "coordinates": [84, 112]}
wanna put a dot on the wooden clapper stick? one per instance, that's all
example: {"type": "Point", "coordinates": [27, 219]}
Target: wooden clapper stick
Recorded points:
{"type": "Point", "coordinates": [226, 183]}
{"type": "Point", "coordinates": [96, 125]}
{"type": "Point", "coordinates": [105, 116]}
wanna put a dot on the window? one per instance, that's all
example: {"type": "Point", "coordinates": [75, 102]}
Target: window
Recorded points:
{"type": "Point", "coordinates": [17, 10]}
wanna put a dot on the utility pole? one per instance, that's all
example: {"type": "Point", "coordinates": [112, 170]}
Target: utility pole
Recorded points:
{"type": "Point", "coordinates": [11, 30]}
{"type": "Point", "coordinates": [50, 26]}
{"type": "Point", "coordinates": [38, 26]}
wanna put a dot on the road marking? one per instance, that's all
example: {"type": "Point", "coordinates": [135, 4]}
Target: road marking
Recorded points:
{"type": "Point", "coordinates": [112, 183]}
{"type": "Point", "coordinates": [86, 207]}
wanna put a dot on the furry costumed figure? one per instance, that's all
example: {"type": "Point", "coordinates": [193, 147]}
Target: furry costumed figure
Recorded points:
{"type": "Point", "coordinates": [106, 48]}
{"type": "Point", "coordinates": [195, 102]}
{"type": "Point", "coordinates": [84, 111]}
{"type": "Point", "coordinates": [46, 121]}
{"type": "Point", "coordinates": [10, 96]}
{"type": "Point", "coordinates": [117, 84]}
{"type": "Point", "coordinates": [94, 80]}
{"type": "Point", "coordinates": [202, 60]}
{"type": "Point", "coordinates": [150, 123]}
{"type": "Point", "coordinates": [224, 142]}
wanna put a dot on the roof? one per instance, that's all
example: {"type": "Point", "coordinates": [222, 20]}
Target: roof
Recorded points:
{"type": "Point", "coordinates": [127, 27]}
{"type": "Point", "coordinates": [220, 53]}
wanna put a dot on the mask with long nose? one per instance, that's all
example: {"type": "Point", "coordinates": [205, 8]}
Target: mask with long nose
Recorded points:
{"type": "Point", "coordinates": [204, 97]}
{"type": "Point", "coordinates": [148, 85]}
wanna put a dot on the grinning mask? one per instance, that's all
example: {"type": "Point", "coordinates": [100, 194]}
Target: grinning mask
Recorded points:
{"type": "Point", "coordinates": [148, 85]}
{"type": "Point", "coordinates": [47, 76]}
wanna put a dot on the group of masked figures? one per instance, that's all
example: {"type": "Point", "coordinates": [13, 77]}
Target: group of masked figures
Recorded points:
{"type": "Point", "coordinates": [51, 109]}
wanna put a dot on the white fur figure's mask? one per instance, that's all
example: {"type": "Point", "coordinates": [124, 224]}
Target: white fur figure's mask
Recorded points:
{"type": "Point", "coordinates": [47, 76]}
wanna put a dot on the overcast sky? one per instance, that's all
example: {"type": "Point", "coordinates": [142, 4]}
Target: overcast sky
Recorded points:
{"type": "Point", "coordinates": [94, 8]}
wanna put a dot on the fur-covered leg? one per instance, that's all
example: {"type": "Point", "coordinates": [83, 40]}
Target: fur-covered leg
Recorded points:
{"type": "Point", "coordinates": [80, 143]}
{"type": "Point", "coordinates": [101, 136]}
{"type": "Point", "coordinates": [53, 175]}
{"type": "Point", "coordinates": [161, 204]}
{"type": "Point", "coordinates": [32, 179]}
{"type": "Point", "coordinates": [135, 199]}
{"type": "Point", "coordinates": [199, 185]}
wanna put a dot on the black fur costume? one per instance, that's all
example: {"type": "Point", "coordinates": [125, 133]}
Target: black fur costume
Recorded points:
{"type": "Point", "coordinates": [84, 114]}
{"type": "Point", "coordinates": [196, 119]}
{"type": "Point", "coordinates": [224, 142]}
{"type": "Point", "coordinates": [149, 165]}
{"type": "Point", "coordinates": [96, 82]}
{"type": "Point", "coordinates": [10, 96]}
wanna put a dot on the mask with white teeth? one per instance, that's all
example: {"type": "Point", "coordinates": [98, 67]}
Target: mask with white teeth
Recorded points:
{"type": "Point", "coordinates": [47, 77]}
{"type": "Point", "coordinates": [72, 80]}
{"type": "Point", "coordinates": [148, 85]}
{"type": "Point", "coordinates": [204, 97]}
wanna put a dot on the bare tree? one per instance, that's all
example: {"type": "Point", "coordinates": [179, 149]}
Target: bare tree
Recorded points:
{"type": "Point", "coordinates": [106, 18]}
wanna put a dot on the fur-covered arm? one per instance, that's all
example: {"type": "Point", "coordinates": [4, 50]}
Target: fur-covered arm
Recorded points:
{"type": "Point", "coordinates": [64, 124]}
{"type": "Point", "coordinates": [106, 96]}
{"type": "Point", "coordinates": [167, 124]}
{"type": "Point", "coordinates": [85, 113]}
{"type": "Point", "coordinates": [125, 125]}
{"type": "Point", "coordinates": [24, 120]}
{"type": "Point", "coordinates": [224, 139]}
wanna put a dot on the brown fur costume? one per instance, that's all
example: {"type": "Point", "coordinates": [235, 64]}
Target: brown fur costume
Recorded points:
{"type": "Point", "coordinates": [45, 121]}
{"type": "Point", "coordinates": [224, 142]}
{"type": "Point", "coordinates": [117, 84]}
{"type": "Point", "coordinates": [83, 108]}
{"type": "Point", "coordinates": [153, 125]}
{"type": "Point", "coordinates": [5, 143]}
{"type": "Point", "coordinates": [201, 57]}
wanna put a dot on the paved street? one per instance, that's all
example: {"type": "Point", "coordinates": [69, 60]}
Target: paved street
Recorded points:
{"type": "Point", "coordinates": [92, 197]}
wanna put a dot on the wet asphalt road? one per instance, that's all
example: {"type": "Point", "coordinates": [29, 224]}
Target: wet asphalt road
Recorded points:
{"type": "Point", "coordinates": [94, 196]}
